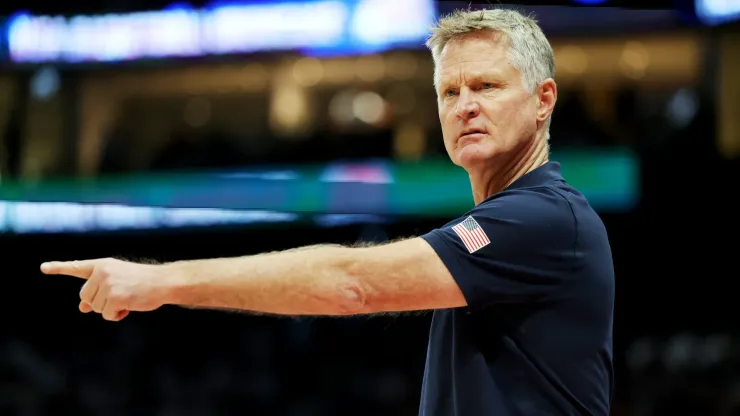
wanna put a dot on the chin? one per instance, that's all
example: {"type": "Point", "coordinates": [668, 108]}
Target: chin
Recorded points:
{"type": "Point", "coordinates": [471, 155]}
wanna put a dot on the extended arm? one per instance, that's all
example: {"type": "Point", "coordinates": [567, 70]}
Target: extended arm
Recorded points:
{"type": "Point", "coordinates": [325, 280]}
{"type": "Point", "coordinates": [401, 276]}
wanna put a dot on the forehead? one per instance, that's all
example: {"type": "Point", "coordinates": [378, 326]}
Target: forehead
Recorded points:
{"type": "Point", "coordinates": [475, 54]}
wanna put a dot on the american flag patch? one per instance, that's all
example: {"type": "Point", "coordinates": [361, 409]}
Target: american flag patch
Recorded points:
{"type": "Point", "coordinates": [471, 234]}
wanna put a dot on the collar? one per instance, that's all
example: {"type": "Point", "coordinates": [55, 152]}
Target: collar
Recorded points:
{"type": "Point", "coordinates": [548, 172]}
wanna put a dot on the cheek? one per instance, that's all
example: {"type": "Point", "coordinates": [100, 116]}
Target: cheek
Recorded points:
{"type": "Point", "coordinates": [448, 125]}
{"type": "Point", "coordinates": [513, 116]}
{"type": "Point", "coordinates": [529, 115]}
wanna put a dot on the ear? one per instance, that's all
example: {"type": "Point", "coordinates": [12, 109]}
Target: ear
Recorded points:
{"type": "Point", "coordinates": [547, 95]}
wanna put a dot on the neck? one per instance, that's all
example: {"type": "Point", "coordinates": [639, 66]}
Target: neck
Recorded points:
{"type": "Point", "coordinates": [496, 177]}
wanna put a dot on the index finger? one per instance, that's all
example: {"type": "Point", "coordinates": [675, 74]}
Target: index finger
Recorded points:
{"type": "Point", "coordinates": [82, 269]}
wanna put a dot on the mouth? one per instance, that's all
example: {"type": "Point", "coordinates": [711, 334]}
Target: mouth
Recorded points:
{"type": "Point", "coordinates": [471, 134]}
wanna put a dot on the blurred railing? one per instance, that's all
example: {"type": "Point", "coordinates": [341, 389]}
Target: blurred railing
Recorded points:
{"type": "Point", "coordinates": [360, 190]}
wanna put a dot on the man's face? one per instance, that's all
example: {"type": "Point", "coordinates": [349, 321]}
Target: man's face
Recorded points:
{"type": "Point", "coordinates": [484, 108]}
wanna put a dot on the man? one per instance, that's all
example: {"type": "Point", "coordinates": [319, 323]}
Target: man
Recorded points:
{"type": "Point", "coordinates": [522, 285]}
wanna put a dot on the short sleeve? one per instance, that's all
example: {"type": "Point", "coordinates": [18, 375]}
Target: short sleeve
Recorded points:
{"type": "Point", "coordinates": [516, 248]}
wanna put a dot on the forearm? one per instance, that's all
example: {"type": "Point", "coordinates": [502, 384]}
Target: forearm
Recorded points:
{"type": "Point", "coordinates": [308, 281]}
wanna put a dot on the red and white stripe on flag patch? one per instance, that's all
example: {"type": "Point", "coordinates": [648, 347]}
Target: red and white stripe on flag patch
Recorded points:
{"type": "Point", "coordinates": [471, 234]}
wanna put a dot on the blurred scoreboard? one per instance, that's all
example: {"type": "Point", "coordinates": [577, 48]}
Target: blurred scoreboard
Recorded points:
{"type": "Point", "coordinates": [314, 27]}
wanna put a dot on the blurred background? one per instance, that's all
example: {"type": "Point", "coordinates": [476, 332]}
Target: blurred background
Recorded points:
{"type": "Point", "coordinates": [164, 131]}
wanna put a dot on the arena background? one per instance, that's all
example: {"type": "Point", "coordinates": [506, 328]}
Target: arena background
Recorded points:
{"type": "Point", "coordinates": [150, 130]}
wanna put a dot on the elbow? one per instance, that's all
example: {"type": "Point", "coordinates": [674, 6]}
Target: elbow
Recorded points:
{"type": "Point", "coordinates": [352, 299]}
{"type": "Point", "coordinates": [351, 294]}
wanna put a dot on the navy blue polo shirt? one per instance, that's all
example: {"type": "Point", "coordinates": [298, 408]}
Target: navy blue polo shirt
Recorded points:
{"type": "Point", "coordinates": [535, 266]}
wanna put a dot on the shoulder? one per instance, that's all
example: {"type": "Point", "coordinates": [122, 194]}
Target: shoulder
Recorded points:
{"type": "Point", "coordinates": [517, 246]}
{"type": "Point", "coordinates": [534, 222]}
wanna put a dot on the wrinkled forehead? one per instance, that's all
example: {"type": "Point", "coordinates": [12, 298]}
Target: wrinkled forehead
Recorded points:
{"type": "Point", "coordinates": [481, 39]}
{"type": "Point", "coordinates": [473, 55]}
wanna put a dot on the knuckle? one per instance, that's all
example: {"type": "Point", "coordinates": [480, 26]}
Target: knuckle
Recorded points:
{"type": "Point", "coordinates": [116, 302]}
{"type": "Point", "coordinates": [85, 295]}
{"type": "Point", "coordinates": [118, 297]}
{"type": "Point", "coordinates": [103, 289]}
{"type": "Point", "coordinates": [105, 271]}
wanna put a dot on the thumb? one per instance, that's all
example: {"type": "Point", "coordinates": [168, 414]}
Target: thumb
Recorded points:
{"type": "Point", "coordinates": [82, 269]}
{"type": "Point", "coordinates": [85, 307]}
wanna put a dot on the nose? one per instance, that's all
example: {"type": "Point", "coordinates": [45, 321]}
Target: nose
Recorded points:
{"type": "Point", "coordinates": [467, 107]}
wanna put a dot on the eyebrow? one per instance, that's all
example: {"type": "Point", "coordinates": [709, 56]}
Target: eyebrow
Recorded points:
{"type": "Point", "coordinates": [444, 82]}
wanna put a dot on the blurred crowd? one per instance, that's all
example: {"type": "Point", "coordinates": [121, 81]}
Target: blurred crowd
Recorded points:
{"type": "Point", "coordinates": [183, 363]}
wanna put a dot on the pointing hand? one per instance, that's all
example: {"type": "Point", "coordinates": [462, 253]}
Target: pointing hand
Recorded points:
{"type": "Point", "coordinates": [114, 287]}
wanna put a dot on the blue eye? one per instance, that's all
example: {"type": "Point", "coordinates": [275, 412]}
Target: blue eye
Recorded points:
{"type": "Point", "coordinates": [487, 85]}
{"type": "Point", "coordinates": [450, 93]}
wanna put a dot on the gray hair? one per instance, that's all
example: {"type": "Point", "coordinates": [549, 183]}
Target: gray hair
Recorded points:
{"type": "Point", "coordinates": [529, 50]}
